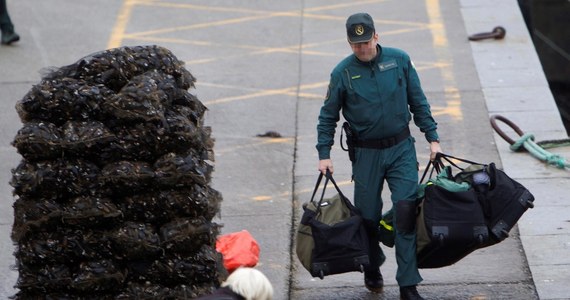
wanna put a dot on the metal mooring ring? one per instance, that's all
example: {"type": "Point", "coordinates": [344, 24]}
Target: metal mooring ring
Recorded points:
{"type": "Point", "coordinates": [508, 122]}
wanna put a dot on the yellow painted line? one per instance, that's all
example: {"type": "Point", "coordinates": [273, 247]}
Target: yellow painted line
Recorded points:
{"type": "Point", "coordinates": [314, 85]}
{"type": "Point", "coordinates": [229, 87]}
{"type": "Point", "coordinates": [259, 50]}
{"type": "Point", "coordinates": [121, 25]}
{"type": "Point", "coordinates": [262, 198]}
{"type": "Point", "coordinates": [119, 34]}
{"type": "Point", "coordinates": [269, 92]}
{"type": "Point", "coordinates": [224, 86]}
{"type": "Point", "coordinates": [317, 85]}
{"type": "Point", "coordinates": [170, 40]}
{"type": "Point", "coordinates": [377, 21]}
{"type": "Point", "coordinates": [205, 43]}
{"type": "Point", "coordinates": [441, 48]}
{"type": "Point", "coordinates": [205, 25]}
{"type": "Point", "coordinates": [311, 96]}
{"type": "Point", "coordinates": [298, 192]}
{"type": "Point", "coordinates": [438, 31]}
{"type": "Point", "coordinates": [206, 7]}
{"type": "Point", "coordinates": [431, 65]}
{"type": "Point", "coordinates": [349, 4]}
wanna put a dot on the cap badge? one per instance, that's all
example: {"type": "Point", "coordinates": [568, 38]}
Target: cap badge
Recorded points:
{"type": "Point", "coordinates": [359, 30]}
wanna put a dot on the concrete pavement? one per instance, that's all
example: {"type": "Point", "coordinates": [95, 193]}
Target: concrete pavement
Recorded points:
{"type": "Point", "coordinates": [264, 66]}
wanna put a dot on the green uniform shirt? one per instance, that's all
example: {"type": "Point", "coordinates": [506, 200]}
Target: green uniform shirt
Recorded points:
{"type": "Point", "coordinates": [376, 98]}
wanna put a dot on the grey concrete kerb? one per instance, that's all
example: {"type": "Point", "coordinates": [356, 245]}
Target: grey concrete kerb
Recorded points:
{"type": "Point", "coordinates": [511, 67]}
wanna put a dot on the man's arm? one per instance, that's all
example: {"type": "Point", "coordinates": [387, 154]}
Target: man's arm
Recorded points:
{"type": "Point", "coordinates": [328, 118]}
{"type": "Point", "coordinates": [419, 105]}
{"type": "Point", "coordinates": [420, 109]}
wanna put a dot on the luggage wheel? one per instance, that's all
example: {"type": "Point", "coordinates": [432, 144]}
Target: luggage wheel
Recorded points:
{"type": "Point", "coordinates": [361, 269]}
{"type": "Point", "coordinates": [530, 204]}
{"type": "Point", "coordinates": [321, 274]}
{"type": "Point", "coordinates": [505, 233]}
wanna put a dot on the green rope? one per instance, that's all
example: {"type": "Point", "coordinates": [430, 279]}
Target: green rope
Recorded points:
{"type": "Point", "coordinates": [548, 144]}
{"type": "Point", "coordinates": [527, 142]}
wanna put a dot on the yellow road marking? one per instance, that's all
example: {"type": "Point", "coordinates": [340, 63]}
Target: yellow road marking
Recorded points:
{"type": "Point", "coordinates": [206, 7]}
{"type": "Point", "coordinates": [204, 25]}
{"type": "Point", "coordinates": [435, 25]}
{"type": "Point", "coordinates": [349, 4]}
{"type": "Point", "coordinates": [291, 91]}
{"type": "Point", "coordinates": [262, 198]}
{"type": "Point", "coordinates": [441, 48]}
{"type": "Point", "coordinates": [121, 24]}
{"type": "Point", "coordinates": [299, 94]}
{"type": "Point", "coordinates": [298, 192]}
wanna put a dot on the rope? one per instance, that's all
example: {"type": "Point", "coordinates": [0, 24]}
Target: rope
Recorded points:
{"type": "Point", "coordinates": [548, 144]}
{"type": "Point", "coordinates": [526, 142]}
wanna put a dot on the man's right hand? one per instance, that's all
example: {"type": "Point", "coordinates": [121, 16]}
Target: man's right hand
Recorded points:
{"type": "Point", "coordinates": [325, 164]}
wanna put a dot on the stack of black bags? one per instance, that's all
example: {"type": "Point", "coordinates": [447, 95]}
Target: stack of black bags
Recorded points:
{"type": "Point", "coordinates": [112, 194]}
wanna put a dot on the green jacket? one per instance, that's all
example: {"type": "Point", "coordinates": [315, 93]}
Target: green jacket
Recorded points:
{"type": "Point", "coordinates": [376, 98]}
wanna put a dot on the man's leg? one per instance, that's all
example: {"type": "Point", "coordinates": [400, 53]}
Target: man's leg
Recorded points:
{"type": "Point", "coordinates": [6, 26]}
{"type": "Point", "coordinates": [368, 179]}
{"type": "Point", "coordinates": [402, 179]}
{"type": "Point", "coordinates": [5, 22]}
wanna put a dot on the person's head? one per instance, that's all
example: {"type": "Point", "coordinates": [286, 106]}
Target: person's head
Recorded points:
{"type": "Point", "coordinates": [250, 283]}
{"type": "Point", "coordinates": [362, 36]}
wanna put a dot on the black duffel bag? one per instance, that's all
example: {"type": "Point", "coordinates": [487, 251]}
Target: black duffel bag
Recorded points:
{"type": "Point", "coordinates": [451, 223]}
{"type": "Point", "coordinates": [458, 214]}
{"type": "Point", "coordinates": [504, 200]}
{"type": "Point", "coordinates": [332, 237]}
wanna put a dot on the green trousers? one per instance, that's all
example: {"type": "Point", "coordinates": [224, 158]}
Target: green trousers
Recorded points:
{"type": "Point", "coordinates": [5, 22]}
{"type": "Point", "coordinates": [398, 166]}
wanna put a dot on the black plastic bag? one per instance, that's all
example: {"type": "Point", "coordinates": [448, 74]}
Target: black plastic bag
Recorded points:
{"type": "Point", "coordinates": [39, 140]}
{"type": "Point", "coordinates": [136, 241]}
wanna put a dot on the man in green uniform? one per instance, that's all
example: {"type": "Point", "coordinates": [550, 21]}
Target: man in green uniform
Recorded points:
{"type": "Point", "coordinates": [377, 87]}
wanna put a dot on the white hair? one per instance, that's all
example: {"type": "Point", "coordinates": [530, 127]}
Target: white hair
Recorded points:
{"type": "Point", "coordinates": [250, 283]}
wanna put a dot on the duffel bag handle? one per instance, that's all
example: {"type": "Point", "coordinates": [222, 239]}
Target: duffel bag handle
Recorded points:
{"type": "Point", "coordinates": [319, 179]}
{"type": "Point", "coordinates": [447, 158]}
{"type": "Point", "coordinates": [328, 177]}
{"type": "Point", "coordinates": [437, 164]}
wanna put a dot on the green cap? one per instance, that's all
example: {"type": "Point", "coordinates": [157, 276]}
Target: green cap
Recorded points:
{"type": "Point", "coordinates": [360, 28]}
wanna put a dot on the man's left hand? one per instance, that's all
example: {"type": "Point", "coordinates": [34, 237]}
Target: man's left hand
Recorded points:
{"type": "Point", "coordinates": [434, 148]}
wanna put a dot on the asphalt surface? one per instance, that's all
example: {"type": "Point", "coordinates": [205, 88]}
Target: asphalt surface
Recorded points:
{"type": "Point", "coordinates": [264, 66]}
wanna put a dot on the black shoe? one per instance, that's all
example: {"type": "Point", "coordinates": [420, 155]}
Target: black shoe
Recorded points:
{"type": "Point", "coordinates": [409, 293]}
{"type": "Point", "coordinates": [9, 37]}
{"type": "Point", "coordinates": [374, 281]}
